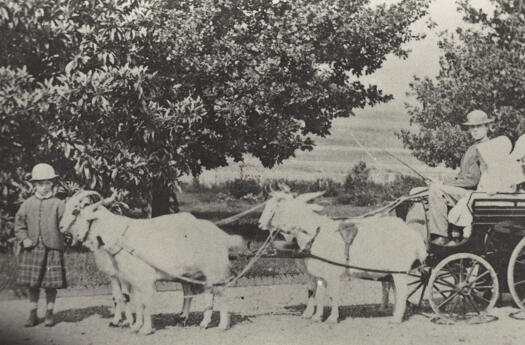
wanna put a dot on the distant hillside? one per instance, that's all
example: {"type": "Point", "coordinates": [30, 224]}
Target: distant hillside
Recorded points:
{"type": "Point", "coordinates": [334, 156]}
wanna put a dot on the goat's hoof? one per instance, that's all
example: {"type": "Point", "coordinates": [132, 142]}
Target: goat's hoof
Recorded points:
{"type": "Point", "coordinates": [135, 328]}
{"type": "Point", "coordinates": [307, 315]}
{"type": "Point", "coordinates": [308, 312]}
{"type": "Point", "coordinates": [224, 326]}
{"type": "Point", "coordinates": [332, 320]}
{"type": "Point", "coordinates": [146, 331]}
{"type": "Point", "coordinates": [114, 324]}
{"type": "Point", "coordinates": [395, 321]}
{"type": "Point", "coordinates": [317, 318]}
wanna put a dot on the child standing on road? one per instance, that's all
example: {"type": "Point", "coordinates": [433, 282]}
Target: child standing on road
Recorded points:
{"type": "Point", "coordinates": [41, 263]}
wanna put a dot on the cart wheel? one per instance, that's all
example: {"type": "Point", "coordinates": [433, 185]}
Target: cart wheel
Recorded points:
{"type": "Point", "coordinates": [417, 286]}
{"type": "Point", "coordinates": [516, 274]}
{"type": "Point", "coordinates": [463, 286]}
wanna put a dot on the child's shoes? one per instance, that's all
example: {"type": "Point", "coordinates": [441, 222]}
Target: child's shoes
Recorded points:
{"type": "Point", "coordinates": [32, 320]}
{"type": "Point", "coordinates": [50, 319]}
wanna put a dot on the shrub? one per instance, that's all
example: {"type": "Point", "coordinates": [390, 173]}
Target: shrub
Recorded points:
{"type": "Point", "coordinates": [367, 194]}
{"type": "Point", "coordinates": [357, 178]}
{"type": "Point", "coordinates": [402, 186]}
{"type": "Point", "coordinates": [239, 188]}
{"type": "Point", "coordinates": [331, 187]}
{"type": "Point", "coordinates": [360, 191]}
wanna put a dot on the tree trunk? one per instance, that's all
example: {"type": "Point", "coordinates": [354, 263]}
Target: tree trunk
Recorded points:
{"type": "Point", "coordinates": [160, 199]}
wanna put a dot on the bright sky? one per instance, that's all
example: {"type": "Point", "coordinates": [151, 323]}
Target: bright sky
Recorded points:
{"type": "Point", "coordinates": [396, 73]}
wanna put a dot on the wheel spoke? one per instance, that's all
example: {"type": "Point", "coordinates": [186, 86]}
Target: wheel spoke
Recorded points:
{"type": "Point", "coordinates": [444, 282]}
{"type": "Point", "coordinates": [472, 303]}
{"type": "Point", "coordinates": [452, 272]}
{"type": "Point", "coordinates": [415, 282]}
{"type": "Point", "coordinates": [482, 298]}
{"type": "Point", "coordinates": [445, 274]}
{"type": "Point", "coordinates": [414, 291]}
{"type": "Point", "coordinates": [461, 269]}
{"type": "Point", "coordinates": [422, 294]}
{"type": "Point", "coordinates": [483, 287]}
{"type": "Point", "coordinates": [519, 283]}
{"type": "Point", "coordinates": [451, 310]}
{"type": "Point", "coordinates": [448, 299]}
{"type": "Point", "coordinates": [470, 271]}
{"type": "Point", "coordinates": [520, 260]}
{"type": "Point", "coordinates": [479, 277]}
{"type": "Point", "coordinates": [441, 292]}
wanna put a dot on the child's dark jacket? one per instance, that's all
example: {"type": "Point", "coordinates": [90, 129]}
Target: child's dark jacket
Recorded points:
{"type": "Point", "coordinates": [38, 219]}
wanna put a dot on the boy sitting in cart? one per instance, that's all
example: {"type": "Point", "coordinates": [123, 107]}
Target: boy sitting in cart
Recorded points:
{"type": "Point", "coordinates": [501, 173]}
{"type": "Point", "coordinates": [442, 195]}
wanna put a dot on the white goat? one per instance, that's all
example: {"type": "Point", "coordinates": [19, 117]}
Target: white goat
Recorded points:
{"type": "Point", "coordinates": [385, 243]}
{"type": "Point", "coordinates": [146, 250]}
{"type": "Point", "coordinates": [120, 289]}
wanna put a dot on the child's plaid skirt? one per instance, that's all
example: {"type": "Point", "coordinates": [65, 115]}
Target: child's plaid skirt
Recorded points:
{"type": "Point", "coordinates": [41, 267]}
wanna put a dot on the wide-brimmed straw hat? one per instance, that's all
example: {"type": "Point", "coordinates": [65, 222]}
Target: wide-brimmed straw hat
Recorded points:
{"type": "Point", "coordinates": [43, 171]}
{"type": "Point", "coordinates": [476, 118]}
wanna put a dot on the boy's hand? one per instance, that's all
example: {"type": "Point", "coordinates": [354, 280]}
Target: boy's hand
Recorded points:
{"type": "Point", "coordinates": [68, 239]}
{"type": "Point", "coordinates": [26, 243]}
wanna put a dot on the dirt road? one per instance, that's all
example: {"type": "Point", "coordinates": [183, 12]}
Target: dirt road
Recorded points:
{"type": "Point", "coordinates": [261, 315]}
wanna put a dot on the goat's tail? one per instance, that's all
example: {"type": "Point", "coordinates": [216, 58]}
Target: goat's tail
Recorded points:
{"type": "Point", "coordinates": [235, 241]}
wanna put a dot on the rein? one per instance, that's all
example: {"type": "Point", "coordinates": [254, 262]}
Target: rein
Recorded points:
{"type": "Point", "coordinates": [335, 263]}
{"type": "Point", "coordinates": [306, 254]}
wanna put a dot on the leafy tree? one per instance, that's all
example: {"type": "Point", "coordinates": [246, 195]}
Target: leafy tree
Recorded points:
{"type": "Point", "coordinates": [136, 93]}
{"type": "Point", "coordinates": [482, 67]}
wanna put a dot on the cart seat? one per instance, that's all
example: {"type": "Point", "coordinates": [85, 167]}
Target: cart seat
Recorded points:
{"type": "Point", "coordinates": [491, 209]}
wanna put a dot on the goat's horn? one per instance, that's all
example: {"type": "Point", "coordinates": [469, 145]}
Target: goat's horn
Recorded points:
{"type": "Point", "coordinates": [84, 194]}
{"type": "Point", "coordinates": [106, 201]}
{"type": "Point", "coordinates": [284, 187]}
{"type": "Point", "coordinates": [109, 200]}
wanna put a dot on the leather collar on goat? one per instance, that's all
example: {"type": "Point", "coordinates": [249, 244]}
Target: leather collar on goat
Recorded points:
{"type": "Point", "coordinates": [119, 244]}
{"type": "Point", "coordinates": [309, 244]}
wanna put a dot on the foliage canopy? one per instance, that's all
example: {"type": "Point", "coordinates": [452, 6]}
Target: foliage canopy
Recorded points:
{"type": "Point", "coordinates": [135, 93]}
{"type": "Point", "coordinates": [482, 67]}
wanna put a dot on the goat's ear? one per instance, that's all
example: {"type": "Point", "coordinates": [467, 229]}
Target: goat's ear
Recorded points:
{"type": "Point", "coordinates": [309, 196]}
{"type": "Point", "coordinates": [90, 212]}
{"type": "Point", "coordinates": [315, 207]}
{"type": "Point", "coordinates": [91, 216]}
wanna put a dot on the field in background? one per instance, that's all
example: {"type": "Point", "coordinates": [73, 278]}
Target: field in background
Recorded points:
{"type": "Point", "coordinates": [335, 155]}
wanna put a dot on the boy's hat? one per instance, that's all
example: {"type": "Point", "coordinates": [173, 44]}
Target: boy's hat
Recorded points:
{"type": "Point", "coordinates": [476, 118]}
{"type": "Point", "coordinates": [43, 171]}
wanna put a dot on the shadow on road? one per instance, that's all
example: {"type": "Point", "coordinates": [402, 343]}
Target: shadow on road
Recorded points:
{"type": "Point", "coordinates": [164, 320]}
{"type": "Point", "coordinates": [361, 311]}
{"type": "Point", "coordinates": [79, 314]}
